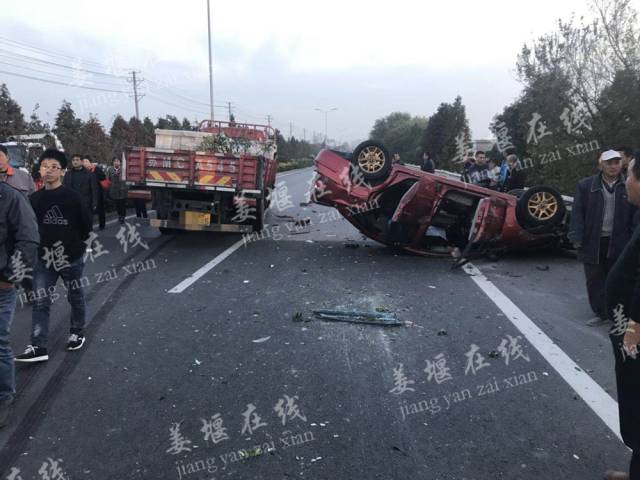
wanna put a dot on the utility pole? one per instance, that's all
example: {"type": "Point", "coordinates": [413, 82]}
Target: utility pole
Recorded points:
{"type": "Point", "coordinates": [326, 114]}
{"type": "Point", "coordinates": [304, 134]}
{"type": "Point", "coordinates": [210, 64]}
{"type": "Point", "coordinates": [135, 81]}
{"type": "Point", "coordinates": [290, 130]}
{"type": "Point", "coordinates": [230, 112]}
{"type": "Point", "coordinates": [269, 120]}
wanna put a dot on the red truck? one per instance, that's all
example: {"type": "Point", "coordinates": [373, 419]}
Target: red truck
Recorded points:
{"type": "Point", "coordinates": [224, 188]}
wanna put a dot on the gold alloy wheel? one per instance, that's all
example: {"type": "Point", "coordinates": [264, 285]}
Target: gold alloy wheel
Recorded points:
{"type": "Point", "coordinates": [542, 205]}
{"type": "Point", "coordinates": [371, 159]}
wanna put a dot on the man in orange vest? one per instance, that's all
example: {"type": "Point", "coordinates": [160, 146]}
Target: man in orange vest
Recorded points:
{"type": "Point", "coordinates": [15, 177]}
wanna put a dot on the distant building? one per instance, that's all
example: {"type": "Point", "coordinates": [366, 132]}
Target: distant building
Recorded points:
{"type": "Point", "coordinates": [483, 145]}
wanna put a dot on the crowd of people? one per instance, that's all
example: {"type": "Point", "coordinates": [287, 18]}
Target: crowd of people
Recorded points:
{"type": "Point", "coordinates": [45, 232]}
{"type": "Point", "coordinates": [507, 176]}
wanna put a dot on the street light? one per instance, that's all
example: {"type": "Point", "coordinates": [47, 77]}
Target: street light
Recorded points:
{"type": "Point", "coordinates": [326, 114]}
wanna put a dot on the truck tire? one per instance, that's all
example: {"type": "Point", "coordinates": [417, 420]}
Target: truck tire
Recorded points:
{"type": "Point", "coordinates": [540, 208]}
{"type": "Point", "coordinates": [372, 160]}
{"type": "Point", "coordinates": [258, 223]}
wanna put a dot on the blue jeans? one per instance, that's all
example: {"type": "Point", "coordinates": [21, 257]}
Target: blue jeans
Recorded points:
{"type": "Point", "coordinates": [44, 289]}
{"type": "Point", "coordinates": [7, 371]}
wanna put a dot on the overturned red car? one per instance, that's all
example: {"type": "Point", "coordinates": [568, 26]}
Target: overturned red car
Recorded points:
{"type": "Point", "coordinates": [433, 214]}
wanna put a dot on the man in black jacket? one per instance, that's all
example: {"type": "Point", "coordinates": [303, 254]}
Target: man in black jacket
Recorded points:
{"type": "Point", "coordinates": [516, 176]}
{"type": "Point", "coordinates": [623, 308]}
{"type": "Point", "coordinates": [82, 181]}
{"type": "Point", "coordinates": [64, 225]}
{"type": "Point", "coordinates": [601, 225]}
{"type": "Point", "coordinates": [18, 246]}
{"type": "Point", "coordinates": [98, 175]}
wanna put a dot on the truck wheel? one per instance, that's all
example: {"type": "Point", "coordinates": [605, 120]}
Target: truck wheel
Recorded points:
{"type": "Point", "coordinates": [258, 223]}
{"type": "Point", "coordinates": [540, 207]}
{"type": "Point", "coordinates": [372, 159]}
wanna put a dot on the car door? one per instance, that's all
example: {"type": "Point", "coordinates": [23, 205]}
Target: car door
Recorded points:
{"type": "Point", "coordinates": [488, 221]}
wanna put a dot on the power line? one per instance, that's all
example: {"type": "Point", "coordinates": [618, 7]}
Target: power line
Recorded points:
{"type": "Point", "coordinates": [182, 107]}
{"type": "Point", "coordinates": [65, 77]}
{"type": "Point", "coordinates": [47, 52]}
{"type": "Point", "coordinates": [60, 83]}
{"type": "Point", "coordinates": [74, 68]}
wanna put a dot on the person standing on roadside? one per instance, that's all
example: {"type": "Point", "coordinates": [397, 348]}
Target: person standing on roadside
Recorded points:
{"type": "Point", "coordinates": [601, 225]}
{"type": "Point", "coordinates": [479, 171]}
{"type": "Point", "coordinates": [516, 176]}
{"type": "Point", "coordinates": [18, 249]}
{"type": "Point", "coordinates": [18, 179]}
{"type": "Point", "coordinates": [626, 154]}
{"type": "Point", "coordinates": [427, 164]}
{"type": "Point", "coordinates": [82, 181]}
{"type": "Point", "coordinates": [64, 224]}
{"type": "Point", "coordinates": [117, 189]}
{"type": "Point", "coordinates": [99, 176]}
{"type": "Point", "coordinates": [623, 308]}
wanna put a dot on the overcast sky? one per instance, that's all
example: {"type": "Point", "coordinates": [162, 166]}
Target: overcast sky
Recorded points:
{"type": "Point", "coordinates": [283, 58]}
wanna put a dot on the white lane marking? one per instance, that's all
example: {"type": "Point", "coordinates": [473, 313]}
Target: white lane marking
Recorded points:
{"type": "Point", "coordinates": [593, 394]}
{"type": "Point", "coordinates": [292, 172]}
{"type": "Point", "coordinates": [198, 274]}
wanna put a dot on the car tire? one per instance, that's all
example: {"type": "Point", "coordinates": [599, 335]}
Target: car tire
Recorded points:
{"type": "Point", "coordinates": [540, 208]}
{"type": "Point", "coordinates": [372, 160]}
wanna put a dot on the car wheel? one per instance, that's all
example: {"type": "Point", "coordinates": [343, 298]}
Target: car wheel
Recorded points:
{"type": "Point", "coordinates": [372, 160]}
{"type": "Point", "coordinates": [540, 207]}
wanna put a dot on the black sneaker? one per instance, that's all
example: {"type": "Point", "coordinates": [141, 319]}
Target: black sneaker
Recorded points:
{"type": "Point", "coordinates": [75, 342]}
{"type": "Point", "coordinates": [33, 354]}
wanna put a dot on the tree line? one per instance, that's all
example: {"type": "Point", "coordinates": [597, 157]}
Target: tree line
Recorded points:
{"type": "Point", "coordinates": [581, 94]}
{"type": "Point", "coordinates": [91, 137]}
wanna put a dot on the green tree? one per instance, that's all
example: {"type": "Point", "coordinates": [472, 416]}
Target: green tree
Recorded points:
{"type": "Point", "coordinates": [169, 122]}
{"type": "Point", "coordinates": [186, 125]}
{"type": "Point", "coordinates": [94, 141]}
{"type": "Point", "coordinates": [447, 135]}
{"type": "Point", "coordinates": [400, 133]}
{"type": "Point", "coordinates": [555, 148]}
{"type": "Point", "coordinates": [35, 125]}
{"type": "Point", "coordinates": [588, 52]}
{"type": "Point", "coordinates": [67, 128]}
{"type": "Point", "coordinates": [138, 132]}
{"type": "Point", "coordinates": [11, 117]}
{"type": "Point", "coordinates": [618, 118]}
{"type": "Point", "coordinates": [149, 133]}
{"type": "Point", "coordinates": [121, 136]}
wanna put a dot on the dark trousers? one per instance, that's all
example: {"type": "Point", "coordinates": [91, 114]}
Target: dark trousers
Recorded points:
{"type": "Point", "coordinates": [596, 275]}
{"type": "Point", "coordinates": [141, 208]}
{"type": "Point", "coordinates": [100, 209]}
{"type": "Point", "coordinates": [628, 386]}
{"type": "Point", "coordinates": [44, 287]}
{"type": "Point", "coordinates": [121, 208]}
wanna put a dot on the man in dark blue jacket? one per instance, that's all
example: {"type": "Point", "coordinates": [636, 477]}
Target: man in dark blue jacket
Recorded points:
{"type": "Point", "coordinates": [18, 247]}
{"type": "Point", "coordinates": [623, 308]}
{"type": "Point", "coordinates": [601, 225]}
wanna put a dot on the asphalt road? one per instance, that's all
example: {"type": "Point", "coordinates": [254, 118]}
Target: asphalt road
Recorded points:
{"type": "Point", "coordinates": [231, 376]}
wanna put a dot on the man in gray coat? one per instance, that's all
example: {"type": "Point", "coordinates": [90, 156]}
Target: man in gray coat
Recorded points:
{"type": "Point", "coordinates": [19, 241]}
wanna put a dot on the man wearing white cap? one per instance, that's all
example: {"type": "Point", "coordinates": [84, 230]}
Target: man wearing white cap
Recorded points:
{"type": "Point", "coordinates": [601, 225]}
